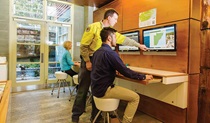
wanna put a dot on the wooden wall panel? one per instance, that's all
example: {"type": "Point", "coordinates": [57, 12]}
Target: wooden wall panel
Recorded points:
{"type": "Point", "coordinates": [117, 5]}
{"type": "Point", "coordinates": [195, 9]}
{"type": "Point", "coordinates": [167, 11]}
{"type": "Point", "coordinates": [194, 47]}
{"type": "Point", "coordinates": [192, 108]}
{"type": "Point", "coordinates": [98, 14]}
{"type": "Point", "coordinates": [203, 96]}
{"type": "Point", "coordinates": [178, 63]}
{"type": "Point", "coordinates": [162, 111]}
{"type": "Point", "coordinates": [186, 15]}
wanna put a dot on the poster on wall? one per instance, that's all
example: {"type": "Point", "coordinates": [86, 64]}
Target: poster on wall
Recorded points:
{"type": "Point", "coordinates": [147, 18]}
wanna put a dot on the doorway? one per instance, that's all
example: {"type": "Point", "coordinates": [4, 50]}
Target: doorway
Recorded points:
{"type": "Point", "coordinates": [37, 49]}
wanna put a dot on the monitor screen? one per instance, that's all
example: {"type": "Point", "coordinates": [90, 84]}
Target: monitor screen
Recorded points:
{"type": "Point", "coordinates": [133, 35]}
{"type": "Point", "coordinates": [160, 39]}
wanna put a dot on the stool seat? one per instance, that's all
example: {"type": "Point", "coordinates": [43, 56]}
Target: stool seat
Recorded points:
{"type": "Point", "coordinates": [75, 78]}
{"type": "Point", "coordinates": [61, 77]}
{"type": "Point", "coordinates": [106, 105]}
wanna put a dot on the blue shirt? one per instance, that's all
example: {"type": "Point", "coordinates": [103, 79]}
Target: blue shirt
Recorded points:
{"type": "Point", "coordinates": [105, 62]}
{"type": "Point", "coordinates": [66, 61]}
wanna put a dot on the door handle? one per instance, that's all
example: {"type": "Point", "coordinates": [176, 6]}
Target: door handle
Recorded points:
{"type": "Point", "coordinates": [42, 56]}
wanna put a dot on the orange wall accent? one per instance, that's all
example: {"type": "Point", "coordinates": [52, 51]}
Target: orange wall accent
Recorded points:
{"type": "Point", "coordinates": [178, 63]}
{"type": "Point", "coordinates": [167, 11]}
{"type": "Point", "coordinates": [98, 15]}
{"type": "Point", "coordinates": [186, 15]}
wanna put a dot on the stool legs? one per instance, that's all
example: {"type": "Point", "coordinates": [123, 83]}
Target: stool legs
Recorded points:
{"type": "Point", "coordinates": [59, 85]}
{"type": "Point", "coordinates": [106, 116]}
{"type": "Point", "coordinates": [54, 87]}
{"type": "Point", "coordinates": [68, 86]}
{"type": "Point", "coordinates": [117, 116]}
{"type": "Point", "coordinates": [59, 88]}
{"type": "Point", "coordinates": [89, 98]}
{"type": "Point", "coordinates": [96, 116]}
{"type": "Point", "coordinates": [71, 94]}
{"type": "Point", "coordinates": [63, 86]}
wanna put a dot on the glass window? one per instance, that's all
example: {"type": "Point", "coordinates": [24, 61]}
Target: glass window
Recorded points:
{"type": "Point", "coordinates": [29, 8]}
{"type": "Point", "coordinates": [52, 68]}
{"type": "Point", "coordinates": [27, 72]}
{"type": "Point", "coordinates": [28, 33]}
{"type": "Point", "coordinates": [58, 12]}
{"type": "Point", "coordinates": [55, 53]}
{"type": "Point", "coordinates": [57, 35]}
{"type": "Point", "coordinates": [28, 53]}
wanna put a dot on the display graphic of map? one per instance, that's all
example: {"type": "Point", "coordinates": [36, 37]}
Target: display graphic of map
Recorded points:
{"type": "Point", "coordinates": [157, 39]}
{"type": "Point", "coordinates": [147, 18]}
{"type": "Point", "coordinates": [160, 38]}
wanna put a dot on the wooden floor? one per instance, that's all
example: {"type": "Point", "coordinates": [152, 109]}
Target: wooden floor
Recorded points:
{"type": "Point", "coordinates": [41, 107]}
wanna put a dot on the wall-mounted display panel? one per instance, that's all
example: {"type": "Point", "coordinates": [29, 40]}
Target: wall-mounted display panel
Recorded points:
{"type": "Point", "coordinates": [130, 49]}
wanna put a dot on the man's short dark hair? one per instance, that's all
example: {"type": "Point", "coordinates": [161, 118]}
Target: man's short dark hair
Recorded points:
{"type": "Point", "coordinates": [109, 12]}
{"type": "Point", "coordinates": [105, 32]}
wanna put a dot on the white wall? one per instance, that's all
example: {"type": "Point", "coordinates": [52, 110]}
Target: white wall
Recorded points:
{"type": "Point", "coordinates": [82, 17]}
{"type": "Point", "coordinates": [4, 28]}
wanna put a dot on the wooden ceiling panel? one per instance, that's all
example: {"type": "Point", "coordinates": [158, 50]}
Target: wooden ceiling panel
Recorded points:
{"type": "Point", "coordinates": [96, 3]}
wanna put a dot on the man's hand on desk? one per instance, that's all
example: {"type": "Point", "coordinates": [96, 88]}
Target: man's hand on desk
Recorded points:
{"type": "Point", "coordinates": [148, 77]}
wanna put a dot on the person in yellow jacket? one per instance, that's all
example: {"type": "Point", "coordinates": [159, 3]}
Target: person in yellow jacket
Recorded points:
{"type": "Point", "coordinates": [90, 42]}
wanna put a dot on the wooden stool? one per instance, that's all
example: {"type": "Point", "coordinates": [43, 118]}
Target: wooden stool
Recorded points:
{"type": "Point", "coordinates": [61, 77]}
{"type": "Point", "coordinates": [106, 105]}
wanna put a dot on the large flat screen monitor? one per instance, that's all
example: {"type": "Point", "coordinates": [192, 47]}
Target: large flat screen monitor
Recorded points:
{"type": "Point", "coordinates": [161, 38]}
{"type": "Point", "coordinates": [130, 49]}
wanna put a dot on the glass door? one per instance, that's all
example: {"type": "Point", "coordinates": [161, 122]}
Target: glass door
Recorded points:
{"type": "Point", "coordinates": [29, 53]}
{"type": "Point", "coordinates": [57, 34]}
{"type": "Point", "coordinates": [37, 31]}
{"type": "Point", "coordinates": [38, 50]}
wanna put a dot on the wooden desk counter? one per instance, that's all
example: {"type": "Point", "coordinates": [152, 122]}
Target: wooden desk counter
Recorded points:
{"type": "Point", "coordinates": [144, 82]}
{"type": "Point", "coordinates": [167, 86]}
{"type": "Point", "coordinates": [168, 77]}
{"type": "Point", "coordinates": [4, 101]}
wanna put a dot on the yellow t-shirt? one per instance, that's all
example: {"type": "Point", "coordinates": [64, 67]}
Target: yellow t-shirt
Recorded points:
{"type": "Point", "coordinates": [91, 40]}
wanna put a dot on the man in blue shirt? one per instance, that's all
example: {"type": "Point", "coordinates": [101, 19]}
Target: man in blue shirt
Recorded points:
{"type": "Point", "coordinates": [90, 42]}
{"type": "Point", "coordinates": [105, 62]}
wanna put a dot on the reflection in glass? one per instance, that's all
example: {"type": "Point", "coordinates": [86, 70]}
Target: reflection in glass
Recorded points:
{"type": "Point", "coordinates": [57, 35]}
{"type": "Point", "coordinates": [28, 53]}
{"type": "Point", "coordinates": [28, 33]}
{"type": "Point", "coordinates": [58, 12]}
{"type": "Point", "coordinates": [52, 68]}
{"type": "Point", "coordinates": [55, 53]}
{"type": "Point", "coordinates": [27, 72]}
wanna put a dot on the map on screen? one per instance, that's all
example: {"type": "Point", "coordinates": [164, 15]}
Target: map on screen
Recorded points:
{"type": "Point", "coordinates": [162, 38]}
